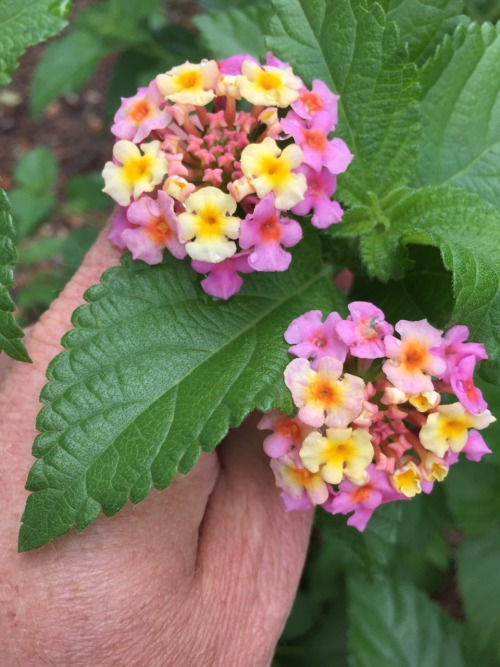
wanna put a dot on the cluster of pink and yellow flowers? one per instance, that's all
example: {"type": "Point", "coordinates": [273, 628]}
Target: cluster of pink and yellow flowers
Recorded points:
{"type": "Point", "coordinates": [211, 159]}
{"type": "Point", "coordinates": [380, 417]}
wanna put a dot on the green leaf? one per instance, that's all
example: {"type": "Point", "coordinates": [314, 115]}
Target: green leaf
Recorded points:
{"type": "Point", "coordinates": [155, 372]}
{"type": "Point", "coordinates": [235, 30]}
{"type": "Point", "coordinates": [472, 494]}
{"type": "Point", "coordinates": [395, 625]}
{"type": "Point", "coordinates": [467, 232]}
{"type": "Point", "coordinates": [479, 582]}
{"type": "Point", "coordinates": [425, 291]}
{"type": "Point", "coordinates": [10, 331]}
{"type": "Point", "coordinates": [62, 8]}
{"type": "Point", "coordinates": [355, 50]}
{"type": "Point", "coordinates": [65, 66]}
{"type": "Point", "coordinates": [461, 113]}
{"type": "Point", "coordinates": [24, 23]}
{"type": "Point", "coordinates": [423, 24]}
{"type": "Point", "coordinates": [32, 201]}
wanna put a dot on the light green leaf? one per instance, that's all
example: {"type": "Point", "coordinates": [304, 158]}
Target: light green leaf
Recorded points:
{"type": "Point", "coordinates": [423, 23]}
{"type": "Point", "coordinates": [461, 113]}
{"type": "Point", "coordinates": [395, 625]}
{"type": "Point", "coordinates": [479, 582]}
{"type": "Point", "coordinates": [65, 66]}
{"type": "Point", "coordinates": [155, 372]}
{"type": "Point", "coordinates": [235, 30]}
{"type": "Point", "coordinates": [355, 50]}
{"type": "Point", "coordinates": [10, 332]}
{"type": "Point", "coordinates": [24, 23]}
{"type": "Point", "coordinates": [62, 8]}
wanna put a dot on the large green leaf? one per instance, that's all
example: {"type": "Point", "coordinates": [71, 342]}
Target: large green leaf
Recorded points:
{"type": "Point", "coordinates": [472, 493]}
{"type": "Point", "coordinates": [479, 582]}
{"type": "Point", "coordinates": [356, 51]}
{"type": "Point", "coordinates": [234, 30]}
{"type": "Point", "coordinates": [467, 232]}
{"type": "Point", "coordinates": [461, 113]}
{"type": "Point", "coordinates": [423, 23]}
{"type": "Point", "coordinates": [395, 625]}
{"type": "Point", "coordinates": [22, 24]}
{"type": "Point", "coordinates": [10, 332]}
{"type": "Point", "coordinates": [155, 372]}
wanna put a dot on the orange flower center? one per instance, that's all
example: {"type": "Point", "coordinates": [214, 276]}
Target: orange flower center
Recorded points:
{"type": "Point", "coordinates": [159, 231]}
{"type": "Point", "coordinates": [312, 102]}
{"type": "Point", "coordinates": [139, 111]}
{"type": "Point", "coordinates": [362, 493]}
{"type": "Point", "coordinates": [415, 355]}
{"type": "Point", "coordinates": [270, 229]}
{"type": "Point", "coordinates": [315, 139]}
{"type": "Point", "coordinates": [325, 393]}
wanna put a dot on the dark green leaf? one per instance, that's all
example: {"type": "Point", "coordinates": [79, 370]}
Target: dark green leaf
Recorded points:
{"type": "Point", "coordinates": [235, 30]}
{"type": "Point", "coordinates": [85, 193]}
{"type": "Point", "coordinates": [10, 332]}
{"type": "Point", "coordinates": [22, 24]}
{"type": "Point", "coordinates": [395, 625]}
{"type": "Point", "coordinates": [461, 113]}
{"type": "Point", "coordinates": [479, 583]}
{"type": "Point", "coordinates": [424, 292]}
{"type": "Point", "coordinates": [156, 371]}
{"type": "Point", "coordinates": [472, 494]}
{"type": "Point", "coordinates": [352, 47]}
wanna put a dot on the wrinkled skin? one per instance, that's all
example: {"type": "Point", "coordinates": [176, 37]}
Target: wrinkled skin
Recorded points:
{"type": "Point", "coordinates": [203, 573]}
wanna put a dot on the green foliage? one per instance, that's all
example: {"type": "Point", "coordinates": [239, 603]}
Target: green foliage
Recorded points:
{"type": "Point", "coordinates": [423, 24]}
{"type": "Point", "coordinates": [235, 30]}
{"type": "Point", "coordinates": [145, 410]}
{"type": "Point", "coordinates": [480, 588]}
{"type": "Point", "coordinates": [10, 332]}
{"type": "Point", "coordinates": [103, 28]}
{"type": "Point", "coordinates": [355, 50]}
{"type": "Point", "coordinates": [24, 23]}
{"type": "Point", "coordinates": [395, 625]}
{"type": "Point", "coordinates": [33, 197]}
{"type": "Point", "coordinates": [461, 113]}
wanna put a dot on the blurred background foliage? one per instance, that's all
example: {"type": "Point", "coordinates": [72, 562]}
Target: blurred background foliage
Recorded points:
{"type": "Point", "coordinates": [421, 586]}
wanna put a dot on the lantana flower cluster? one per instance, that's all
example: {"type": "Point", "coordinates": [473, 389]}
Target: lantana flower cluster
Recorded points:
{"type": "Point", "coordinates": [381, 416]}
{"type": "Point", "coordinates": [212, 159]}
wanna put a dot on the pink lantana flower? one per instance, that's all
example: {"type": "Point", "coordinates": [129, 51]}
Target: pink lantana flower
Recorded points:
{"type": "Point", "coordinates": [320, 188]}
{"type": "Point", "coordinates": [413, 359]}
{"type": "Point", "coordinates": [322, 396]}
{"type": "Point", "coordinates": [264, 231]}
{"type": "Point", "coordinates": [454, 349]}
{"type": "Point", "coordinates": [288, 433]}
{"type": "Point", "coordinates": [223, 279]}
{"type": "Point", "coordinates": [363, 500]}
{"type": "Point", "coordinates": [462, 383]}
{"type": "Point", "coordinates": [140, 114]}
{"type": "Point", "coordinates": [155, 229]}
{"type": "Point", "coordinates": [319, 100]}
{"type": "Point", "coordinates": [364, 330]}
{"type": "Point", "coordinates": [475, 447]}
{"type": "Point", "coordinates": [119, 224]}
{"type": "Point", "coordinates": [317, 151]}
{"type": "Point", "coordinates": [312, 338]}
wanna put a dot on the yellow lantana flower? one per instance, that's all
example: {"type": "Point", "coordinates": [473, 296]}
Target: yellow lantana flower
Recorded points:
{"type": "Point", "coordinates": [136, 172]}
{"type": "Point", "coordinates": [189, 83]}
{"type": "Point", "coordinates": [270, 86]}
{"type": "Point", "coordinates": [208, 220]}
{"type": "Point", "coordinates": [269, 169]}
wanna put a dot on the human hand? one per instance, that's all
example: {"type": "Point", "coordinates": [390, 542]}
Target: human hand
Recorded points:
{"type": "Point", "coordinates": [203, 573]}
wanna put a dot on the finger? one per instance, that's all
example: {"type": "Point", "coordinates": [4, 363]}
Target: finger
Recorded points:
{"type": "Point", "coordinates": [249, 546]}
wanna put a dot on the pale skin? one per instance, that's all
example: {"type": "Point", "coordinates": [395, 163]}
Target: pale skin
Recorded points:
{"type": "Point", "coordinates": [203, 573]}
